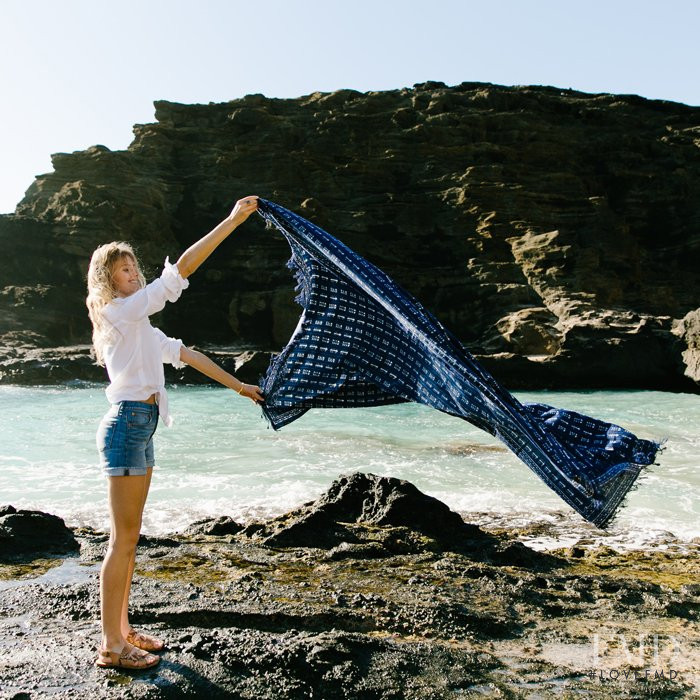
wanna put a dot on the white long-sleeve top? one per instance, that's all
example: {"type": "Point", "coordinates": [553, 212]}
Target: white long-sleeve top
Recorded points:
{"type": "Point", "coordinates": [135, 351]}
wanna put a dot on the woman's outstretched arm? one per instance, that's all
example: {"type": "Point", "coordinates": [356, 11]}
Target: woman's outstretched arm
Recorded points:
{"type": "Point", "coordinates": [203, 364]}
{"type": "Point", "coordinates": [198, 252]}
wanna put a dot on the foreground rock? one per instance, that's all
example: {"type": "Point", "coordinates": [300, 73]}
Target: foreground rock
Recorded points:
{"type": "Point", "coordinates": [245, 619]}
{"type": "Point", "coordinates": [417, 522]}
{"type": "Point", "coordinates": [553, 231]}
{"type": "Point", "coordinates": [28, 532]}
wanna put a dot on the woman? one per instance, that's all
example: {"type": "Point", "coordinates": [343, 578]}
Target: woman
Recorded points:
{"type": "Point", "coordinates": [133, 351]}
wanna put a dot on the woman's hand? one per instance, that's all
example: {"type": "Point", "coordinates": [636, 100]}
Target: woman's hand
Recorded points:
{"type": "Point", "coordinates": [243, 209]}
{"type": "Point", "coordinates": [252, 392]}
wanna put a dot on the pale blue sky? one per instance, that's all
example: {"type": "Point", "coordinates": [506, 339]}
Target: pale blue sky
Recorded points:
{"type": "Point", "coordinates": [74, 73]}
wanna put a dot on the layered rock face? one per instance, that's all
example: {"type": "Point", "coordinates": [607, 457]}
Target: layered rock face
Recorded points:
{"type": "Point", "coordinates": [556, 233]}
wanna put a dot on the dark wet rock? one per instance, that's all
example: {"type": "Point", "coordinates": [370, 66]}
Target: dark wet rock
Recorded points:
{"type": "Point", "coordinates": [518, 554]}
{"type": "Point", "coordinates": [526, 218]}
{"type": "Point", "coordinates": [362, 498]}
{"type": "Point", "coordinates": [31, 532]}
{"type": "Point", "coordinates": [402, 520]}
{"type": "Point", "coordinates": [149, 541]}
{"type": "Point", "coordinates": [214, 526]}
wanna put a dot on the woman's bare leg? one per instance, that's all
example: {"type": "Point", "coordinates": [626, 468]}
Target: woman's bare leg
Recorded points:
{"type": "Point", "coordinates": [125, 507]}
{"type": "Point", "coordinates": [125, 626]}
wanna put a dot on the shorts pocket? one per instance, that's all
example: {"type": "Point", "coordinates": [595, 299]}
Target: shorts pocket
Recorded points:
{"type": "Point", "coordinates": [138, 417]}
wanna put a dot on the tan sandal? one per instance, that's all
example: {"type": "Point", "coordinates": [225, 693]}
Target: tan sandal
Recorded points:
{"type": "Point", "coordinates": [128, 657]}
{"type": "Point", "coordinates": [144, 641]}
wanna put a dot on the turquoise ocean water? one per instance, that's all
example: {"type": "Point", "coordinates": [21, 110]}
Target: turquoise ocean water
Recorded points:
{"type": "Point", "coordinates": [219, 458]}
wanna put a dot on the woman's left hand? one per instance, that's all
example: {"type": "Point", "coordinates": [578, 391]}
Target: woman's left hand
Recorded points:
{"type": "Point", "coordinates": [243, 209]}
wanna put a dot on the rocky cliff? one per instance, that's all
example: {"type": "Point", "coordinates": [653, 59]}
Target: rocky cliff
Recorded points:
{"type": "Point", "coordinates": [556, 233]}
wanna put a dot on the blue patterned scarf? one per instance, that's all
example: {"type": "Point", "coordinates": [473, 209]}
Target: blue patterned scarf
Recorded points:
{"type": "Point", "coordinates": [363, 341]}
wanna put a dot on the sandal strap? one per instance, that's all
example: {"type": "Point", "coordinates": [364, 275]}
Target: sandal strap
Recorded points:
{"type": "Point", "coordinates": [134, 655]}
{"type": "Point", "coordinates": [141, 637]}
{"type": "Point", "coordinates": [130, 658]}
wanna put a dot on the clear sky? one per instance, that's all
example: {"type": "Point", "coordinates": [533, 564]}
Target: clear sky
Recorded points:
{"type": "Point", "coordinates": [74, 73]}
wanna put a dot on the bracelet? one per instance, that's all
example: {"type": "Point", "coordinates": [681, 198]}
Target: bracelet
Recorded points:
{"type": "Point", "coordinates": [240, 390]}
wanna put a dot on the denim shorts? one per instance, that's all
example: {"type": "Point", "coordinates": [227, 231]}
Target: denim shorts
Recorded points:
{"type": "Point", "coordinates": [125, 438]}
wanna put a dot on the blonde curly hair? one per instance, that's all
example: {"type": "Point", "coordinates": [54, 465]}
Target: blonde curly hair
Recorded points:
{"type": "Point", "coordinates": [101, 289]}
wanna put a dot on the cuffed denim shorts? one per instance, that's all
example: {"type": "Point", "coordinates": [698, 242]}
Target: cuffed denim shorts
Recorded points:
{"type": "Point", "coordinates": [125, 438]}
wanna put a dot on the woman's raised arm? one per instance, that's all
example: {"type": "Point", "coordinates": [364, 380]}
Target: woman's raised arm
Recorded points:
{"type": "Point", "coordinates": [198, 252]}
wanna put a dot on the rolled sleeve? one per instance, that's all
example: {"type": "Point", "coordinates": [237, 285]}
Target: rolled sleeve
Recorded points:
{"type": "Point", "coordinates": [170, 349]}
{"type": "Point", "coordinates": [150, 299]}
{"type": "Point", "coordinates": [173, 281]}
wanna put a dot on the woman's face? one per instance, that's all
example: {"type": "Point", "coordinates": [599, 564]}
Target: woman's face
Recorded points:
{"type": "Point", "coordinates": [125, 276]}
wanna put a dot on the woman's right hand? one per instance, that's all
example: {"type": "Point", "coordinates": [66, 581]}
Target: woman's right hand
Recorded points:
{"type": "Point", "coordinates": [252, 392]}
{"type": "Point", "coordinates": [243, 209]}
